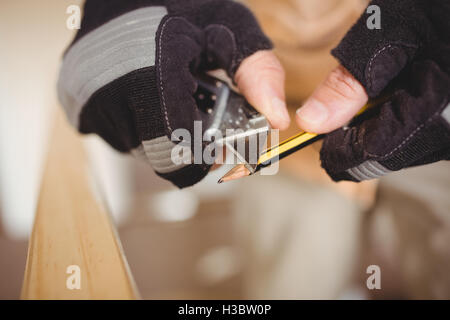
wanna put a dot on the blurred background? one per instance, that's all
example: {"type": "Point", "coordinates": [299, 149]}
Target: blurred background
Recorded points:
{"type": "Point", "coordinates": [295, 235]}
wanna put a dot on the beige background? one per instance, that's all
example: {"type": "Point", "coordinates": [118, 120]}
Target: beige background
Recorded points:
{"type": "Point", "coordinates": [299, 237]}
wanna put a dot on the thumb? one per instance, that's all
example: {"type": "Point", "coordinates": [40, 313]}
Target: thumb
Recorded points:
{"type": "Point", "coordinates": [260, 78]}
{"type": "Point", "coordinates": [333, 104]}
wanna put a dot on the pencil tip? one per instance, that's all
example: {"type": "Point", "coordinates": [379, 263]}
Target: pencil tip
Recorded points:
{"type": "Point", "coordinates": [240, 171]}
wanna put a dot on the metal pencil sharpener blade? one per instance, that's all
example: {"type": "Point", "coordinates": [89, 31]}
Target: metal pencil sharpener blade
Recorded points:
{"type": "Point", "coordinates": [227, 115]}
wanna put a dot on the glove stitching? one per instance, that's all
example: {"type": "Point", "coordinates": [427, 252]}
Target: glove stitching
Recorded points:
{"type": "Point", "coordinates": [379, 52]}
{"type": "Point", "coordinates": [233, 64]}
{"type": "Point", "coordinates": [166, 116]}
{"type": "Point", "coordinates": [370, 80]}
{"type": "Point", "coordinates": [408, 138]}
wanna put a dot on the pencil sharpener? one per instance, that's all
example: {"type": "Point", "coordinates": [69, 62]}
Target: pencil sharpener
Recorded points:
{"type": "Point", "coordinates": [227, 114]}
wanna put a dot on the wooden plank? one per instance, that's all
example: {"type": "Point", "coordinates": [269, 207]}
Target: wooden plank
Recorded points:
{"type": "Point", "coordinates": [71, 228]}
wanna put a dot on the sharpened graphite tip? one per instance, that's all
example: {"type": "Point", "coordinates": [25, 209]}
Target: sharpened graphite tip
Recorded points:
{"type": "Point", "coordinates": [238, 172]}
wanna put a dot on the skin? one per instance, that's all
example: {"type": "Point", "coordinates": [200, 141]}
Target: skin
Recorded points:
{"type": "Point", "coordinates": [261, 77]}
{"type": "Point", "coordinates": [333, 104]}
{"type": "Point", "coordinates": [341, 97]}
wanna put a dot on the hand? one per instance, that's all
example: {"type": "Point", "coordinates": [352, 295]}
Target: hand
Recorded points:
{"type": "Point", "coordinates": [128, 75]}
{"type": "Point", "coordinates": [260, 78]}
{"type": "Point", "coordinates": [413, 127]}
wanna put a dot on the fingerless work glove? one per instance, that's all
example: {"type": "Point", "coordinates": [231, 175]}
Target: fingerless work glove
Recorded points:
{"type": "Point", "coordinates": [128, 75]}
{"type": "Point", "coordinates": [410, 57]}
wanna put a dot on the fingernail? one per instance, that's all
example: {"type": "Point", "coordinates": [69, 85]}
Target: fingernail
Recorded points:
{"type": "Point", "coordinates": [279, 108]}
{"type": "Point", "coordinates": [313, 112]}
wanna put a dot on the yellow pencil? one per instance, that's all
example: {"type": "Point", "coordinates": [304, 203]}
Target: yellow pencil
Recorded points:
{"type": "Point", "coordinates": [284, 149]}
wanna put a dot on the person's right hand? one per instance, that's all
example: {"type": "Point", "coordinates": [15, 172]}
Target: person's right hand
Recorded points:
{"type": "Point", "coordinates": [129, 74]}
{"type": "Point", "coordinates": [411, 55]}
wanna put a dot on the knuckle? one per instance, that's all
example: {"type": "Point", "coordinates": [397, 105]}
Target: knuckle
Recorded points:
{"type": "Point", "coordinates": [270, 67]}
{"type": "Point", "coordinates": [260, 67]}
{"type": "Point", "coordinates": [343, 83]}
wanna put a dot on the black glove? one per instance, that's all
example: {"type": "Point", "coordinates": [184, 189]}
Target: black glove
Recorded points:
{"type": "Point", "coordinates": [128, 75]}
{"type": "Point", "coordinates": [410, 57]}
